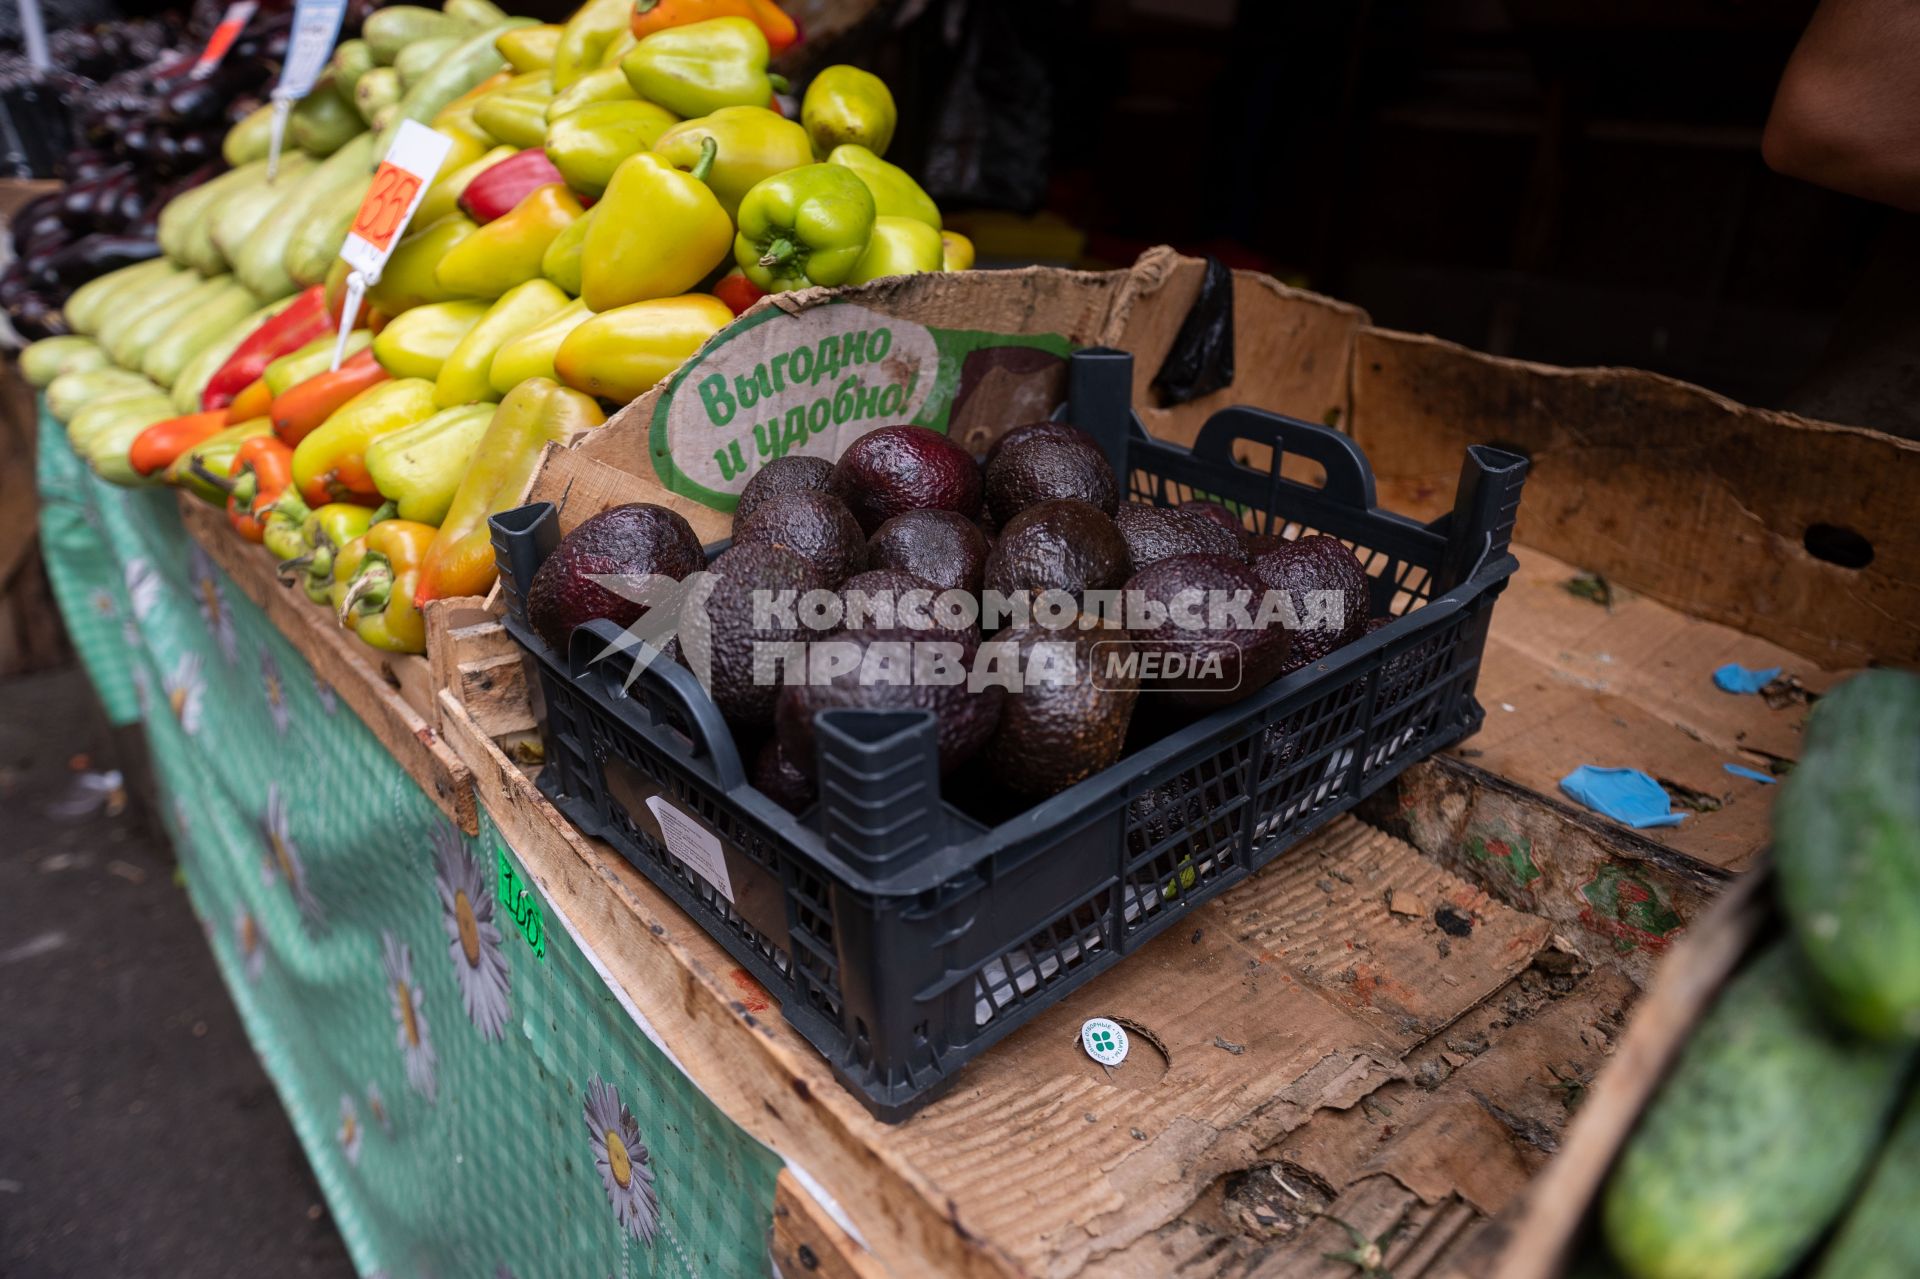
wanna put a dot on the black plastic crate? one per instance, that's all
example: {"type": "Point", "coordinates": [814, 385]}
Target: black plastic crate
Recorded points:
{"type": "Point", "coordinates": [901, 935]}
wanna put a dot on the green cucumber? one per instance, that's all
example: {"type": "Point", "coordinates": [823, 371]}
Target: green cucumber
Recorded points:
{"type": "Point", "coordinates": [1757, 1138]}
{"type": "Point", "coordinates": [1846, 844]}
{"type": "Point", "coordinates": [1880, 1239]}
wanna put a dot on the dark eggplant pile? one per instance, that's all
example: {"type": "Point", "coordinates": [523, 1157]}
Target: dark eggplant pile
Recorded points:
{"type": "Point", "coordinates": [122, 122]}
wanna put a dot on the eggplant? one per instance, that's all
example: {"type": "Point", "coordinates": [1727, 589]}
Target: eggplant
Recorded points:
{"type": "Point", "coordinates": [82, 260]}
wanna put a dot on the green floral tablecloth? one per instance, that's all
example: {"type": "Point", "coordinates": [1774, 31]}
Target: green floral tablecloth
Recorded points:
{"type": "Point", "coordinates": [476, 1102]}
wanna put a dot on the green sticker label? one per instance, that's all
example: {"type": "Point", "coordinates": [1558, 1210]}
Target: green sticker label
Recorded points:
{"type": "Point", "coordinates": [812, 383]}
{"type": "Point", "coordinates": [522, 906]}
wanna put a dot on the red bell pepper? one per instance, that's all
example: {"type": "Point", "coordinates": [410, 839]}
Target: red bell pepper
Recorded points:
{"type": "Point", "coordinates": [495, 191]}
{"type": "Point", "coordinates": [737, 291]}
{"type": "Point", "coordinates": [304, 319]}
{"type": "Point", "coordinates": [262, 470]}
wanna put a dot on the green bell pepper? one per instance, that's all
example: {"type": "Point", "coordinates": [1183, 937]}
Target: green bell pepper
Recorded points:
{"type": "Point", "coordinates": [804, 227]}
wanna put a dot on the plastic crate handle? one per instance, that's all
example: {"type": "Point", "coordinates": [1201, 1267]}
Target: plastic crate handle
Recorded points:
{"type": "Point", "coordinates": [589, 661]}
{"type": "Point", "coordinates": [1100, 401]}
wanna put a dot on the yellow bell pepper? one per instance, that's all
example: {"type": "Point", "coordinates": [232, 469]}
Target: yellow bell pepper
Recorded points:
{"type": "Point", "coordinates": [517, 113]}
{"type": "Point", "coordinates": [584, 40]}
{"type": "Point", "coordinates": [895, 193]}
{"type": "Point", "coordinates": [620, 354]}
{"type": "Point", "coordinates": [565, 258]}
{"type": "Point", "coordinates": [751, 143]}
{"type": "Point", "coordinates": [845, 104]}
{"type": "Point", "coordinates": [698, 68]}
{"type": "Point", "coordinates": [587, 145]}
{"type": "Point", "coordinates": [330, 465]}
{"type": "Point", "coordinates": [531, 354]}
{"type": "Point", "coordinates": [411, 276]}
{"type": "Point", "coordinates": [460, 561]}
{"type": "Point", "coordinates": [659, 233]}
{"type": "Point", "coordinates": [375, 576]}
{"type": "Point", "coordinates": [899, 246]}
{"type": "Point", "coordinates": [416, 343]}
{"type": "Point", "coordinates": [507, 250]}
{"type": "Point", "coordinates": [464, 378]}
{"type": "Point", "coordinates": [956, 252]}
{"type": "Point", "coordinates": [529, 48]}
{"type": "Point", "coordinates": [606, 85]}
{"type": "Point", "coordinates": [418, 467]}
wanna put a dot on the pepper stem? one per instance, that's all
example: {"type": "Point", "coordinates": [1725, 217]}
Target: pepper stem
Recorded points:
{"type": "Point", "coordinates": [385, 511]}
{"type": "Point", "coordinates": [777, 252]}
{"type": "Point", "coordinates": [371, 586]}
{"type": "Point", "coordinates": [778, 81]}
{"type": "Point", "coordinates": [222, 482]}
{"type": "Point", "coordinates": [246, 487]}
{"type": "Point", "coordinates": [290, 570]}
{"type": "Point", "coordinates": [704, 165]}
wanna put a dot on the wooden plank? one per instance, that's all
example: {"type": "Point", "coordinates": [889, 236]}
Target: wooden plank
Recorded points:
{"type": "Point", "coordinates": [806, 1241]}
{"type": "Point", "coordinates": [369, 682]}
{"type": "Point", "coordinates": [1666, 488]}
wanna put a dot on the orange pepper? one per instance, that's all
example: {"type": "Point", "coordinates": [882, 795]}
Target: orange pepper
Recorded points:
{"type": "Point", "coordinates": [781, 31]}
{"type": "Point", "coordinates": [155, 448]}
{"type": "Point", "coordinates": [262, 470]}
{"type": "Point", "coordinates": [300, 409]}
{"type": "Point", "coordinates": [252, 402]}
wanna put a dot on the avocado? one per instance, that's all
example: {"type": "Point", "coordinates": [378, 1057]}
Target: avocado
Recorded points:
{"type": "Point", "coordinates": [1155, 532]}
{"type": "Point", "coordinates": [793, 473]}
{"type": "Point", "coordinates": [719, 640]}
{"type": "Point", "coordinates": [889, 670]}
{"type": "Point", "coordinates": [905, 468]}
{"type": "Point", "coordinates": [1039, 470]}
{"type": "Point", "coordinates": [636, 540]}
{"type": "Point", "coordinates": [776, 777]}
{"type": "Point", "coordinates": [817, 527]}
{"type": "Point", "coordinates": [887, 599]}
{"type": "Point", "coordinates": [943, 548]}
{"type": "Point", "coordinates": [1317, 562]}
{"type": "Point", "coordinates": [1217, 514]}
{"type": "Point", "coordinates": [1068, 718]}
{"type": "Point", "coordinates": [1063, 545]}
{"type": "Point", "coordinates": [1204, 659]}
{"type": "Point", "coordinates": [1042, 430]}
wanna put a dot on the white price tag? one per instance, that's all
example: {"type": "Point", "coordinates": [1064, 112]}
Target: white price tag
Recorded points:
{"type": "Point", "coordinates": [232, 23]}
{"type": "Point", "coordinates": [316, 24]}
{"type": "Point", "coordinates": [399, 184]}
{"type": "Point", "coordinates": [693, 844]}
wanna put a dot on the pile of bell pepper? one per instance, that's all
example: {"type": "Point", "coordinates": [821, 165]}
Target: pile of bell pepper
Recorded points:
{"type": "Point", "coordinates": [616, 190]}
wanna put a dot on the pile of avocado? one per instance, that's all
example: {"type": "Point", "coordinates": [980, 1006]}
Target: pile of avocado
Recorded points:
{"type": "Point", "coordinates": [1789, 1130]}
{"type": "Point", "coordinates": [905, 508]}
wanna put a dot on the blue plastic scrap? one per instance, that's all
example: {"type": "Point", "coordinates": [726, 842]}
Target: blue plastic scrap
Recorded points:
{"type": "Point", "coordinates": [1752, 774]}
{"type": "Point", "coordinates": [1627, 795]}
{"type": "Point", "coordinates": [1735, 678]}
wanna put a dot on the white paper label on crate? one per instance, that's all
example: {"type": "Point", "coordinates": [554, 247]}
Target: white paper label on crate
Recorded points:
{"type": "Point", "coordinates": [1105, 1040]}
{"type": "Point", "coordinates": [693, 844]}
{"type": "Point", "coordinates": [316, 24]}
{"type": "Point", "coordinates": [399, 184]}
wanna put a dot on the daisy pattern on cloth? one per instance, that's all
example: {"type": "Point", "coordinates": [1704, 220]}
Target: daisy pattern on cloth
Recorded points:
{"type": "Point", "coordinates": [621, 1157]}
{"type": "Point", "coordinates": [205, 577]}
{"type": "Point", "coordinates": [275, 687]}
{"type": "Point", "coordinates": [143, 586]}
{"type": "Point", "coordinates": [329, 700]}
{"type": "Point", "coordinates": [253, 948]}
{"type": "Point", "coordinates": [350, 1130]}
{"type": "Point", "coordinates": [473, 939]}
{"type": "Point", "coordinates": [185, 687]}
{"type": "Point", "coordinates": [409, 1015]}
{"type": "Point", "coordinates": [283, 860]}
{"type": "Point", "coordinates": [377, 1107]}
{"type": "Point", "coordinates": [101, 602]}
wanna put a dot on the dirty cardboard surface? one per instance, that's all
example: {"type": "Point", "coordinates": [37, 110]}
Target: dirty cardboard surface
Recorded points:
{"type": "Point", "coordinates": [1304, 968]}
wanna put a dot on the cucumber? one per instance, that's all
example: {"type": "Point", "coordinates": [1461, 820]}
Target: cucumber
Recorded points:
{"type": "Point", "coordinates": [1756, 1140]}
{"type": "Point", "coordinates": [131, 307]}
{"type": "Point", "coordinates": [198, 371]}
{"type": "Point", "coordinates": [387, 31]}
{"type": "Point", "coordinates": [71, 392]}
{"type": "Point", "coordinates": [325, 120]}
{"type": "Point", "coordinates": [47, 359]}
{"type": "Point", "coordinates": [249, 139]}
{"type": "Point", "coordinates": [93, 300]}
{"type": "Point", "coordinates": [262, 263]}
{"type": "Point", "coordinates": [170, 351]}
{"type": "Point", "coordinates": [240, 214]}
{"type": "Point", "coordinates": [1880, 1238]}
{"type": "Point", "coordinates": [421, 57]}
{"type": "Point", "coordinates": [465, 65]}
{"type": "Point", "coordinates": [351, 60]}
{"type": "Point", "coordinates": [1846, 843]}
